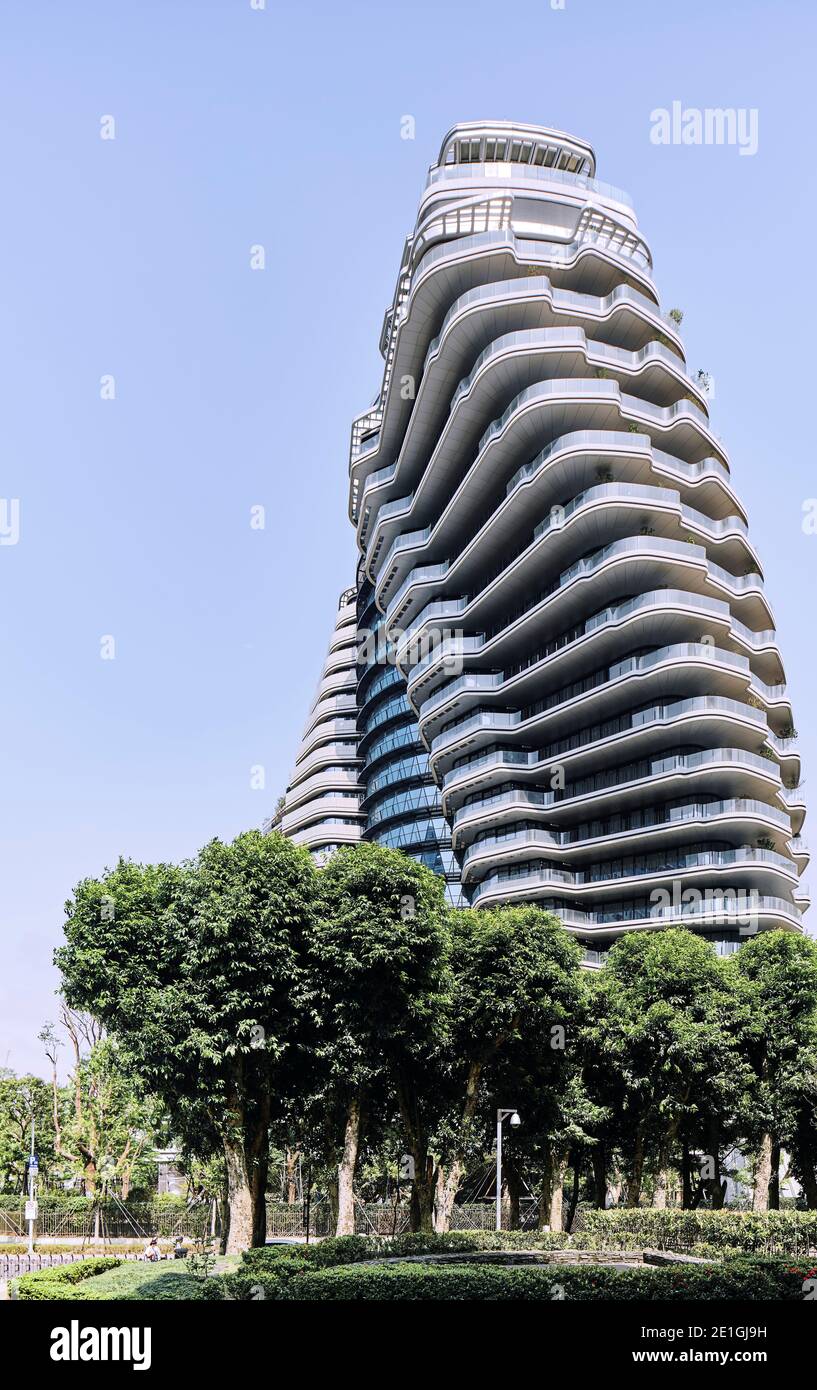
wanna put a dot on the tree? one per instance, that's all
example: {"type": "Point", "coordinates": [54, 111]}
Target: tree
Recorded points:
{"type": "Point", "coordinates": [664, 1028]}
{"type": "Point", "coordinates": [23, 1098]}
{"type": "Point", "coordinates": [778, 971]}
{"type": "Point", "coordinates": [378, 961]}
{"type": "Point", "coordinates": [104, 1127]}
{"type": "Point", "coordinates": [515, 990]}
{"type": "Point", "coordinates": [199, 972]}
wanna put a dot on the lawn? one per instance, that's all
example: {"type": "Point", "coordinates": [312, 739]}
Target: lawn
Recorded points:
{"type": "Point", "coordinates": [84, 1281]}
{"type": "Point", "coordinates": [141, 1281]}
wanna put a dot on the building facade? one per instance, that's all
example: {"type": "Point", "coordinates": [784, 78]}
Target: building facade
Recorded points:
{"type": "Point", "coordinates": [322, 804]}
{"type": "Point", "coordinates": [576, 691]}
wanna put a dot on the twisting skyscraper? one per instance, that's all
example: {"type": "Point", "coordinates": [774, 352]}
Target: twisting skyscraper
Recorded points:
{"type": "Point", "coordinates": [570, 690]}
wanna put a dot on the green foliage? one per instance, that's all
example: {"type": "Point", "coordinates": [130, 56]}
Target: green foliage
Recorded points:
{"type": "Point", "coordinates": [58, 1281]}
{"type": "Point", "coordinates": [777, 972]}
{"type": "Point", "coordinates": [193, 959]}
{"type": "Point", "coordinates": [744, 1280]}
{"type": "Point", "coordinates": [265, 1272]}
{"type": "Point", "coordinates": [352, 1016]}
{"type": "Point", "coordinates": [199, 971]}
{"type": "Point", "coordinates": [107, 1278]}
{"type": "Point", "coordinates": [378, 949]}
{"type": "Point", "coordinates": [761, 1232]}
{"type": "Point", "coordinates": [665, 1039]}
{"type": "Point", "coordinates": [161, 1282]}
{"type": "Point", "coordinates": [23, 1098]}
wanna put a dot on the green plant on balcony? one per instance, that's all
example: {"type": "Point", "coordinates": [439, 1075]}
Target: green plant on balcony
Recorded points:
{"type": "Point", "coordinates": [676, 316]}
{"type": "Point", "coordinates": [634, 428]}
{"type": "Point", "coordinates": [765, 842]}
{"type": "Point", "coordinates": [604, 475]}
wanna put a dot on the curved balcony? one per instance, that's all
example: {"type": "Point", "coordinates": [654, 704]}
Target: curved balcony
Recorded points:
{"type": "Point", "coordinates": [541, 411]}
{"type": "Point", "coordinates": [739, 868]}
{"type": "Point", "coordinates": [585, 660]}
{"type": "Point", "coordinates": [765, 912]}
{"type": "Point", "coordinates": [744, 775]}
{"type": "Point", "coordinates": [322, 807]}
{"type": "Point", "coordinates": [739, 818]}
{"type": "Point", "coordinates": [450, 270]}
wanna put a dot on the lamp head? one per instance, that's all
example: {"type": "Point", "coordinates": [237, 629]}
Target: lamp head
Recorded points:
{"type": "Point", "coordinates": [515, 1121]}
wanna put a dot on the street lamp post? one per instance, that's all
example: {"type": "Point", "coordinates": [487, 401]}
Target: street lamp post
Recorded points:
{"type": "Point", "coordinates": [515, 1122]}
{"type": "Point", "coordinates": [30, 1204]}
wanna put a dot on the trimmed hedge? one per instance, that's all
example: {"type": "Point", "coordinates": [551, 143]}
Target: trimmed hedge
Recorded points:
{"type": "Point", "coordinates": [58, 1280]}
{"type": "Point", "coordinates": [265, 1271]}
{"type": "Point", "coordinates": [331, 1269]}
{"type": "Point", "coordinates": [699, 1232]}
{"type": "Point", "coordinates": [340, 1250]}
{"type": "Point", "coordinates": [738, 1280]}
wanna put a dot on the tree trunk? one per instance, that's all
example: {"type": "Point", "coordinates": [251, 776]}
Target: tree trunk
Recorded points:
{"type": "Point", "coordinates": [346, 1169]}
{"type": "Point", "coordinates": [546, 1196]}
{"type": "Point", "coordinates": [805, 1152]}
{"type": "Point", "coordinates": [425, 1174]}
{"type": "Point", "coordinates": [291, 1157]}
{"type": "Point", "coordinates": [557, 1196]}
{"type": "Point", "coordinates": [445, 1192]}
{"type": "Point", "coordinates": [599, 1159]}
{"type": "Point", "coordinates": [763, 1175]}
{"type": "Point", "coordinates": [422, 1197]}
{"type": "Point", "coordinates": [714, 1184]}
{"type": "Point", "coordinates": [774, 1177]}
{"type": "Point", "coordinates": [246, 1157]}
{"type": "Point", "coordinates": [687, 1194]}
{"type": "Point", "coordinates": [89, 1172]}
{"type": "Point", "coordinates": [514, 1193]}
{"type": "Point", "coordinates": [635, 1176]}
{"type": "Point", "coordinates": [574, 1195]}
{"type": "Point", "coordinates": [448, 1184]}
{"type": "Point", "coordinates": [224, 1216]}
{"type": "Point", "coordinates": [550, 1207]}
{"type": "Point", "coordinates": [664, 1175]}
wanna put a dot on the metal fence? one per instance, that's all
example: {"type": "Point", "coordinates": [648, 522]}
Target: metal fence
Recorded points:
{"type": "Point", "coordinates": [12, 1265]}
{"type": "Point", "coordinates": [132, 1222]}
{"type": "Point", "coordinates": [381, 1218]}
{"type": "Point", "coordinates": [283, 1219]}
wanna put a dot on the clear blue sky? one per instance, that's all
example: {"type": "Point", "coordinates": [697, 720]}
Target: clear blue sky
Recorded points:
{"type": "Point", "coordinates": [234, 388]}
